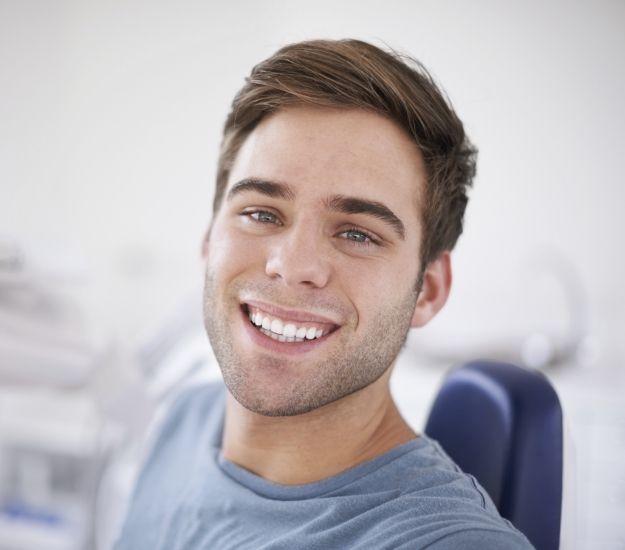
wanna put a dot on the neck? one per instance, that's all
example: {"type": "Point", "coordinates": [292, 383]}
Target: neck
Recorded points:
{"type": "Point", "coordinates": [309, 447]}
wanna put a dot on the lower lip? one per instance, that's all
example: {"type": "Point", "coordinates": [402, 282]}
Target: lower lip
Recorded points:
{"type": "Point", "coordinates": [270, 344]}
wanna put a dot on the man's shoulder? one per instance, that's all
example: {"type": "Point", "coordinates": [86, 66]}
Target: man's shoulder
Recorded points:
{"type": "Point", "coordinates": [436, 505]}
{"type": "Point", "coordinates": [193, 403]}
{"type": "Point", "coordinates": [425, 470]}
{"type": "Point", "coordinates": [475, 539]}
{"type": "Point", "coordinates": [193, 412]}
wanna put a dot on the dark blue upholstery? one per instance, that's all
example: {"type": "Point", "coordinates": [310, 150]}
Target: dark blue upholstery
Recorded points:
{"type": "Point", "coordinates": [503, 424]}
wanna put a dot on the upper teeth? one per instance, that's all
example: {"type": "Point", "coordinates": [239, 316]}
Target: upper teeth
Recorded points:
{"type": "Point", "coordinates": [290, 331]}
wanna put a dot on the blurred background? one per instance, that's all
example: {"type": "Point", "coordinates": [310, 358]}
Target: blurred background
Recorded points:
{"type": "Point", "coordinates": [110, 121]}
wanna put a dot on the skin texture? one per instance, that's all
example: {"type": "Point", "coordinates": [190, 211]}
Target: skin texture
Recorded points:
{"type": "Point", "coordinates": [297, 417]}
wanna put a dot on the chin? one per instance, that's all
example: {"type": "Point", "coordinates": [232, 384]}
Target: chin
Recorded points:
{"type": "Point", "coordinates": [271, 399]}
{"type": "Point", "coordinates": [272, 402]}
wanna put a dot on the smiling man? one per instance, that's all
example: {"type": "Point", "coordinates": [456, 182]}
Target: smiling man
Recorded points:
{"type": "Point", "coordinates": [341, 189]}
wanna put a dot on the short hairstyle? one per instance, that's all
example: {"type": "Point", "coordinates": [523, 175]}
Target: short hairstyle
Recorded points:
{"type": "Point", "coordinates": [355, 74]}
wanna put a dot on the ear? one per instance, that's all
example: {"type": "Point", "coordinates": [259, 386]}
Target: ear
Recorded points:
{"type": "Point", "coordinates": [435, 290]}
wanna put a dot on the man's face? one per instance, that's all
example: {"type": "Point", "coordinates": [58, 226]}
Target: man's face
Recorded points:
{"type": "Point", "coordinates": [313, 257]}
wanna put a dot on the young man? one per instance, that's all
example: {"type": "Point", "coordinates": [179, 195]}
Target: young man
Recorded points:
{"type": "Point", "coordinates": [341, 189]}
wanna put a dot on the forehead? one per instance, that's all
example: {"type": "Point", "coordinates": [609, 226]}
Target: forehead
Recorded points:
{"type": "Point", "coordinates": [319, 150]}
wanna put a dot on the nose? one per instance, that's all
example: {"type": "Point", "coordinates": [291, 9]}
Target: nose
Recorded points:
{"type": "Point", "coordinates": [297, 257]}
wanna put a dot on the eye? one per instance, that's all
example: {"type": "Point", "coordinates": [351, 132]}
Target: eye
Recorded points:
{"type": "Point", "coordinates": [358, 237]}
{"type": "Point", "coordinates": [262, 216]}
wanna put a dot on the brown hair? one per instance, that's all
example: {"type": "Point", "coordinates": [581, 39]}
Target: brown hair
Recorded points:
{"type": "Point", "coordinates": [355, 74]}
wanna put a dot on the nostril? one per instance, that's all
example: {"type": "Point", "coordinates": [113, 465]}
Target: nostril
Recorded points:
{"type": "Point", "coordinates": [311, 272]}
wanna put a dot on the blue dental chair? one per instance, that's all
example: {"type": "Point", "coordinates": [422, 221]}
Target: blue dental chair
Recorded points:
{"type": "Point", "coordinates": [503, 424]}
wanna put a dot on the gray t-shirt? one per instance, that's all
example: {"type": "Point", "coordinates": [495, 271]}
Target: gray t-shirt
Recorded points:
{"type": "Point", "coordinates": [190, 497]}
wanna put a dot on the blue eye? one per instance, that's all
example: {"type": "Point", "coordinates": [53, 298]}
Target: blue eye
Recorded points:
{"type": "Point", "coordinates": [358, 237]}
{"type": "Point", "coordinates": [263, 216]}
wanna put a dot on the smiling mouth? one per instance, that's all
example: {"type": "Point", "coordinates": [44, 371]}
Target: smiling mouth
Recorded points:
{"type": "Point", "coordinates": [284, 330]}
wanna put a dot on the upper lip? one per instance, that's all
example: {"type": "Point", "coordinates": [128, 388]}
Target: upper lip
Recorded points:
{"type": "Point", "coordinates": [289, 314]}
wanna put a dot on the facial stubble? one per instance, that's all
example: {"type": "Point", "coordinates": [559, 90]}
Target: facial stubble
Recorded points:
{"type": "Point", "coordinates": [258, 381]}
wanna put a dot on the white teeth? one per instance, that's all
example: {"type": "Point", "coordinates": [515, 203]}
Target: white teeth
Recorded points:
{"type": "Point", "coordinates": [283, 332]}
{"type": "Point", "coordinates": [276, 326]}
{"type": "Point", "coordinates": [270, 334]}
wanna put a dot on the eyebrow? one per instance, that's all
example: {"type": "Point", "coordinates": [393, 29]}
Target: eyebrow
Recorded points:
{"type": "Point", "coordinates": [264, 187]}
{"type": "Point", "coordinates": [353, 205]}
{"type": "Point", "coordinates": [337, 203]}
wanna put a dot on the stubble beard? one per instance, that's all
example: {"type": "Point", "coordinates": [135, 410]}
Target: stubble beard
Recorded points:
{"type": "Point", "coordinates": [350, 367]}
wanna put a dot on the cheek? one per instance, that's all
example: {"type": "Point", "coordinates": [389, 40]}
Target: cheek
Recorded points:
{"type": "Point", "coordinates": [372, 286]}
{"type": "Point", "coordinates": [231, 252]}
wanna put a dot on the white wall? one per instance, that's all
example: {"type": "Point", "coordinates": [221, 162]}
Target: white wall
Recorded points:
{"type": "Point", "coordinates": [111, 114]}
